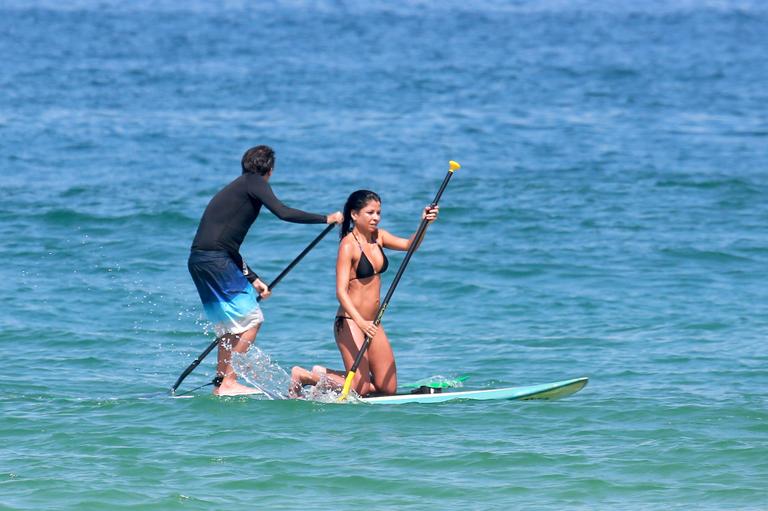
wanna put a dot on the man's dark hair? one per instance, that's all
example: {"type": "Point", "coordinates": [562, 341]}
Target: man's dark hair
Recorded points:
{"type": "Point", "coordinates": [258, 160]}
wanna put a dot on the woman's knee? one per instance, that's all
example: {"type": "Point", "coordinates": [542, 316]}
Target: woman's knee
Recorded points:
{"type": "Point", "coordinates": [366, 388]}
{"type": "Point", "coordinates": [389, 387]}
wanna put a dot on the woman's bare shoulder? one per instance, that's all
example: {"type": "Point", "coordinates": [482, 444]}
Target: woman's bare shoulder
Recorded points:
{"type": "Point", "coordinates": [346, 245]}
{"type": "Point", "coordinates": [382, 235]}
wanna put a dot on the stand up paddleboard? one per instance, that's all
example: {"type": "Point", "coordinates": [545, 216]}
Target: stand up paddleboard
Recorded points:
{"type": "Point", "coordinates": [544, 391]}
{"type": "Point", "coordinates": [441, 391]}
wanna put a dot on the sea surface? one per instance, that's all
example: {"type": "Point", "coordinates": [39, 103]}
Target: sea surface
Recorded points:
{"type": "Point", "coordinates": [610, 220]}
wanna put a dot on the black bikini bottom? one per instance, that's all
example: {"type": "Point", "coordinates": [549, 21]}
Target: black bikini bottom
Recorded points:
{"type": "Point", "coordinates": [337, 324]}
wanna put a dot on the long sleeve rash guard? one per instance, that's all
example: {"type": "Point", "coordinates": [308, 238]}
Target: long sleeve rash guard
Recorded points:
{"type": "Point", "coordinates": [233, 210]}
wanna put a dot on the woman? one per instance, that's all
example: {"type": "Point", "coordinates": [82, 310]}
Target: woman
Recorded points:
{"type": "Point", "coordinates": [359, 265]}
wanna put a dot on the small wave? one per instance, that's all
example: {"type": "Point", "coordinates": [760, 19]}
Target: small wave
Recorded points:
{"type": "Point", "coordinates": [704, 255]}
{"type": "Point", "coordinates": [76, 191]}
{"type": "Point", "coordinates": [619, 72]}
{"type": "Point", "coordinates": [708, 184]}
{"type": "Point", "coordinates": [70, 217]}
{"type": "Point", "coordinates": [709, 326]}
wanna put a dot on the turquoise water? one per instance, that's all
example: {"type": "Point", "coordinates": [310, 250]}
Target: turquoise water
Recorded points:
{"type": "Point", "coordinates": [609, 221]}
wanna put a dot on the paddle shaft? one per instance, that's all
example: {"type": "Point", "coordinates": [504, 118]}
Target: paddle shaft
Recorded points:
{"type": "Point", "coordinates": [271, 285]}
{"type": "Point", "coordinates": [300, 257]}
{"type": "Point", "coordinates": [383, 307]}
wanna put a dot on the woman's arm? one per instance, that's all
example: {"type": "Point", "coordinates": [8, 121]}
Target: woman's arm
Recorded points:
{"type": "Point", "coordinates": [343, 270]}
{"type": "Point", "coordinates": [393, 242]}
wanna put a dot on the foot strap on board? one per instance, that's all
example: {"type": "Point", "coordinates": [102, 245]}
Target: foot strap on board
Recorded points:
{"type": "Point", "coordinates": [424, 389]}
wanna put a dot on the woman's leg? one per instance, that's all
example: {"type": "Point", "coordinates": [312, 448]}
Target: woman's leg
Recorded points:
{"type": "Point", "coordinates": [301, 377]}
{"type": "Point", "coordinates": [381, 360]}
{"type": "Point", "coordinates": [334, 377]}
{"type": "Point", "coordinates": [378, 361]}
{"type": "Point", "coordinates": [349, 339]}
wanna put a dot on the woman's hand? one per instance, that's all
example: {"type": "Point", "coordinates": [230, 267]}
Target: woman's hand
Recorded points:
{"type": "Point", "coordinates": [368, 328]}
{"type": "Point", "coordinates": [430, 213]}
{"type": "Point", "coordinates": [262, 289]}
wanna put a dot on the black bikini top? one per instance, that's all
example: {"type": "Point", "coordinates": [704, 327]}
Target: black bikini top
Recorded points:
{"type": "Point", "coordinates": [364, 267]}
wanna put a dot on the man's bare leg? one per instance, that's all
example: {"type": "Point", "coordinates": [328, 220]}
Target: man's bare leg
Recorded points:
{"type": "Point", "coordinates": [228, 344]}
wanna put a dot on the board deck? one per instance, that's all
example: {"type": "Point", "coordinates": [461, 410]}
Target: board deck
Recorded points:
{"type": "Point", "coordinates": [554, 390]}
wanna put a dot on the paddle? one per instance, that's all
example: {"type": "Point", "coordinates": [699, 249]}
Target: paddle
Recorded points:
{"type": "Point", "coordinates": [271, 286]}
{"type": "Point", "coordinates": [453, 166]}
{"type": "Point", "coordinates": [438, 383]}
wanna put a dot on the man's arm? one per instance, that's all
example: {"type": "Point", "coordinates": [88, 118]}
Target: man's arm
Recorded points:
{"type": "Point", "coordinates": [261, 189]}
{"type": "Point", "coordinates": [251, 275]}
{"type": "Point", "coordinates": [247, 271]}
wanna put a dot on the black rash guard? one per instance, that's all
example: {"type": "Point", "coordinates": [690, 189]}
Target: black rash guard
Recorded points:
{"type": "Point", "coordinates": [233, 210]}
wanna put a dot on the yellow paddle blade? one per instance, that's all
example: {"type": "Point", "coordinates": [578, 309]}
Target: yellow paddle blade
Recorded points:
{"type": "Point", "coordinates": [347, 386]}
{"type": "Point", "coordinates": [454, 166]}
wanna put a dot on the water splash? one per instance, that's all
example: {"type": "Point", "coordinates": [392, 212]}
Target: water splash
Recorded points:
{"type": "Point", "coordinates": [326, 392]}
{"type": "Point", "coordinates": [260, 371]}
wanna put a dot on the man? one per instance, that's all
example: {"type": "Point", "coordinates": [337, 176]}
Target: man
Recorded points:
{"type": "Point", "coordinates": [226, 284]}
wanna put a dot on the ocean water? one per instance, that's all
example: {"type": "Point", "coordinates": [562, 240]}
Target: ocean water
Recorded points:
{"type": "Point", "coordinates": [610, 220]}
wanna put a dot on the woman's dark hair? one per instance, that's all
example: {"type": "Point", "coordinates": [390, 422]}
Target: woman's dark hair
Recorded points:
{"type": "Point", "coordinates": [258, 160]}
{"type": "Point", "coordinates": [355, 202]}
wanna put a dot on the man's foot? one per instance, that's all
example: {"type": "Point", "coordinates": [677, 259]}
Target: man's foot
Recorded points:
{"type": "Point", "coordinates": [235, 389]}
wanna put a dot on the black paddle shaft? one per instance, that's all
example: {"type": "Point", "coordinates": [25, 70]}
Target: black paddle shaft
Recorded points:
{"type": "Point", "coordinates": [399, 274]}
{"type": "Point", "coordinates": [299, 257]}
{"type": "Point", "coordinates": [271, 285]}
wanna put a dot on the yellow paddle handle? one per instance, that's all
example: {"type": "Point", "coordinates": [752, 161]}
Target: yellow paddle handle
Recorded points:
{"type": "Point", "coordinates": [347, 386]}
{"type": "Point", "coordinates": [453, 166]}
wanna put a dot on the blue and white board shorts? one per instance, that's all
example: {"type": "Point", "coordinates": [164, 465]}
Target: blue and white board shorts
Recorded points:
{"type": "Point", "coordinates": [229, 300]}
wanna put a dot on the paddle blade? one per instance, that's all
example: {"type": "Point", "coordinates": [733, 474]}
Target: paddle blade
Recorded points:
{"type": "Point", "coordinates": [453, 166]}
{"type": "Point", "coordinates": [438, 382]}
{"type": "Point", "coordinates": [347, 386]}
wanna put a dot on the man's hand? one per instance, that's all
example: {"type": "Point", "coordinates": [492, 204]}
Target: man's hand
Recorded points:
{"type": "Point", "coordinates": [262, 289]}
{"type": "Point", "coordinates": [334, 218]}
